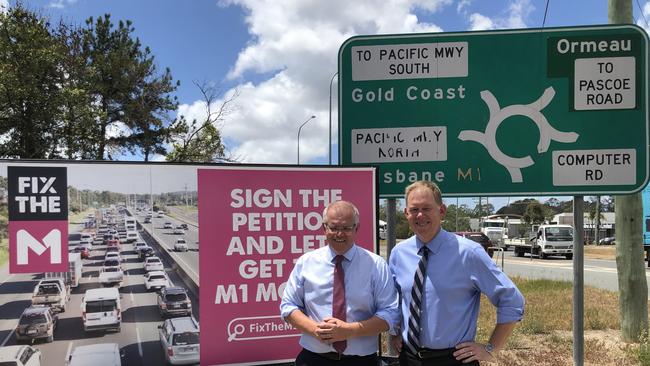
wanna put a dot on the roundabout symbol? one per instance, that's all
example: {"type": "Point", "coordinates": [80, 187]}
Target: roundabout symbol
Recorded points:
{"type": "Point", "coordinates": [498, 115]}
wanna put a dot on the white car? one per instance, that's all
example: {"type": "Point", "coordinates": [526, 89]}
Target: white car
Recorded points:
{"type": "Point", "coordinates": [156, 280]}
{"type": "Point", "coordinates": [111, 275]}
{"type": "Point", "coordinates": [20, 356]}
{"type": "Point", "coordinates": [168, 225]}
{"type": "Point", "coordinates": [139, 245]}
{"type": "Point", "coordinates": [179, 338]}
{"type": "Point", "coordinates": [179, 230]}
{"type": "Point", "coordinates": [153, 263]}
{"type": "Point", "coordinates": [113, 255]}
{"type": "Point", "coordinates": [181, 245]}
{"type": "Point", "coordinates": [101, 354]}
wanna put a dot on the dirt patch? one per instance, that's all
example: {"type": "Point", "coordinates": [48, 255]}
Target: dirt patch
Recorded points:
{"type": "Point", "coordinates": [600, 252]}
{"type": "Point", "coordinates": [601, 348]}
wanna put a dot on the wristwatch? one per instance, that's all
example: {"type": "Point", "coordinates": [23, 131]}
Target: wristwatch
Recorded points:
{"type": "Point", "coordinates": [489, 348]}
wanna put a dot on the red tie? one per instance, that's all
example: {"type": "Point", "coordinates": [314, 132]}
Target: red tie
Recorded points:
{"type": "Point", "coordinates": [338, 302]}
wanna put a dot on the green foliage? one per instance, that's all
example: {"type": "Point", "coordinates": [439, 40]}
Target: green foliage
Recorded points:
{"type": "Point", "coordinates": [457, 218]}
{"type": "Point", "coordinates": [63, 89]}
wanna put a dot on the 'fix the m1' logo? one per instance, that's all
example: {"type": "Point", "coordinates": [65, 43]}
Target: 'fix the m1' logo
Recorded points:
{"type": "Point", "coordinates": [26, 242]}
{"type": "Point", "coordinates": [38, 218]}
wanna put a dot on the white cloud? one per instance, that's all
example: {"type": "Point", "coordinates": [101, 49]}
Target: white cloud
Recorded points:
{"type": "Point", "coordinates": [297, 42]}
{"type": "Point", "coordinates": [60, 4]}
{"type": "Point", "coordinates": [4, 6]}
{"type": "Point", "coordinates": [515, 16]}
{"type": "Point", "coordinates": [462, 5]}
{"type": "Point", "coordinates": [480, 22]}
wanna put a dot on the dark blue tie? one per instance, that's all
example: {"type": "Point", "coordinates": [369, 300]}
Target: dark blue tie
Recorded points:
{"type": "Point", "coordinates": [415, 309]}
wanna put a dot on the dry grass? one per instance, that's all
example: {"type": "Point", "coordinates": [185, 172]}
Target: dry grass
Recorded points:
{"type": "Point", "coordinates": [544, 337]}
{"type": "Point", "coordinates": [600, 252]}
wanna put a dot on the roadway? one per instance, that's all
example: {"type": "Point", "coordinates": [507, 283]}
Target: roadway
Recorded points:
{"type": "Point", "coordinates": [140, 318]}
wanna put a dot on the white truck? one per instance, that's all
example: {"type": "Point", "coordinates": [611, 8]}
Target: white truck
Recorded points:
{"type": "Point", "coordinates": [72, 277]}
{"type": "Point", "coordinates": [53, 292]}
{"type": "Point", "coordinates": [548, 240]}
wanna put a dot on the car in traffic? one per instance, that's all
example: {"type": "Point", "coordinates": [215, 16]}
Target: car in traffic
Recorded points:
{"type": "Point", "coordinates": [179, 338]}
{"type": "Point", "coordinates": [156, 280]}
{"type": "Point", "coordinates": [179, 230]}
{"type": "Point", "coordinates": [20, 356]}
{"type": "Point", "coordinates": [183, 225]}
{"type": "Point", "coordinates": [100, 354]}
{"type": "Point", "coordinates": [145, 252]}
{"type": "Point", "coordinates": [181, 245]}
{"type": "Point", "coordinates": [36, 322]}
{"type": "Point", "coordinates": [480, 238]}
{"type": "Point", "coordinates": [83, 251]}
{"type": "Point", "coordinates": [113, 256]}
{"type": "Point", "coordinates": [610, 240]}
{"type": "Point", "coordinates": [174, 301]}
{"type": "Point", "coordinates": [53, 292]}
{"type": "Point", "coordinates": [168, 225]}
{"type": "Point", "coordinates": [153, 263]}
{"type": "Point", "coordinates": [147, 220]}
{"type": "Point", "coordinates": [101, 309]}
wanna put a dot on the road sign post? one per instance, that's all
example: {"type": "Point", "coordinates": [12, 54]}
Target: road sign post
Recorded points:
{"type": "Point", "coordinates": [520, 112]}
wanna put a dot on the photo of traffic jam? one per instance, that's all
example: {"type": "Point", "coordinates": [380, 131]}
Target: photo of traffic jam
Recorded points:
{"type": "Point", "coordinates": [130, 296]}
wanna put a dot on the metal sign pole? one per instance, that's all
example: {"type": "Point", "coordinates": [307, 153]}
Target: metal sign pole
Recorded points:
{"type": "Point", "coordinates": [578, 281]}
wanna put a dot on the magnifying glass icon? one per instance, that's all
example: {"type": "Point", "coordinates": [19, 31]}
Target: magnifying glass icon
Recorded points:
{"type": "Point", "coordinates": [237, 330]}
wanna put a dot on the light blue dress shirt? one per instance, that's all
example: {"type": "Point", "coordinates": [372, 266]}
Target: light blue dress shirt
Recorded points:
{"type": "Point", "coordinates": [458, 270]}
{"type": "Point", "coordinates": [369, 291]}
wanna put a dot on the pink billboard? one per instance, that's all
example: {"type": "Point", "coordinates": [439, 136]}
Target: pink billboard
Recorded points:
{"type": "Point", "coordinates": [254, 222]}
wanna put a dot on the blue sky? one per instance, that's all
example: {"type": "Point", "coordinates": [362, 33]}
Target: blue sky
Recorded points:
{"type": "Point", "coordinates": [280, 54]}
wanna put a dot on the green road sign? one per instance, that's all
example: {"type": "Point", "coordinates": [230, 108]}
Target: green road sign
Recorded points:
{"type": "Point", "coordinates": [520, 112]}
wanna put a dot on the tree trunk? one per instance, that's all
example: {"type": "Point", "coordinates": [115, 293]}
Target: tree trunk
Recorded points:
{"type": "Point", "coordinates": [632, 284]}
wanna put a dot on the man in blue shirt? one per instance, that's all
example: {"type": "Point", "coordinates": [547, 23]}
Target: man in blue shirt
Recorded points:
{"type": "Point", "coordinates": [370, 298]}
{"type": "Point", "coordinates": [440, 307]}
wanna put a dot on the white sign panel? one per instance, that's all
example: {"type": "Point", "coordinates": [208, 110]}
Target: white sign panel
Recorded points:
{"type": "Point", "coordinates": [605, 83]}
{"type": "Point", "coordinates": [594, 167]}
{"type": "Point", "coordinates": [380, 145]}
{"type": "Point", "coordinates": [410, 61]}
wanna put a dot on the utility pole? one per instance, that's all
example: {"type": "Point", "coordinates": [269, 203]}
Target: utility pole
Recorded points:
{"type": "Point", "coordinates": [632, 284]}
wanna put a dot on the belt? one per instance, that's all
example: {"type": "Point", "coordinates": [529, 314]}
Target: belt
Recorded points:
{"type": "Point", "coordinates": [427, 353]}
{"type": "Point", "coordinates": [335, 356]}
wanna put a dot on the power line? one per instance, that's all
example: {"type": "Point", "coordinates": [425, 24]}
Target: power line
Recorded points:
{"type": "Point", "coordinates": [642, 14]}
{"type": "Point", "coordinates": [546, 11]}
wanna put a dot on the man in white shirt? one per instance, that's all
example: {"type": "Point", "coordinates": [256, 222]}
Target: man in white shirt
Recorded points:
{"type": "Point", "coordinates": [310, 297]}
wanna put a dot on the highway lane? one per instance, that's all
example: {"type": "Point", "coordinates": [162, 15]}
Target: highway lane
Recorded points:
{"type": "Point", "coordinates": [140, 318]}
{"type": "Point", "coordinates": [599, 273]}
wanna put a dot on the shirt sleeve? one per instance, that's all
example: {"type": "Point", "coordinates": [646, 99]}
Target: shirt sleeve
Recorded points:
{"type": "Point", "coordinates": [498, 288]}
{"type": "Point", "coordinates": [386, 299]}
{"type": "Point", "coordinates": [293, 297]}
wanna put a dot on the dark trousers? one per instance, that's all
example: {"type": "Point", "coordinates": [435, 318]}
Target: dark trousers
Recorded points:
{"type": "Point", "coordinates": [438, 358]}
{"type": "Point", "coordinates": [308, 358]}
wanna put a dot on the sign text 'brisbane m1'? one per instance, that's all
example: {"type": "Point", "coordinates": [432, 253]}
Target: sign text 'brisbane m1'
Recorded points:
{"type": "Point", "coordinates": [520, 112]}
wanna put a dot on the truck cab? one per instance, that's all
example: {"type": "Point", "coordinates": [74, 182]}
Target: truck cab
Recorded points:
{"type": "Point", "coordinates": [554, 240]}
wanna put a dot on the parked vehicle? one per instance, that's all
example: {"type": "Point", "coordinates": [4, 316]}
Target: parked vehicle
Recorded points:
{"type": "Point", "coordinates": [549, 240]}
{"type": "Point", "coordinates": [156, 280]}
{"type": "Point", "coordinates": [179, 337]}
{"type": "Point", "coordinates": [101, 308]}
{"type": "Point", "coordinates": [36, 322]}
{"type": "Point", "coordinates": [52, 292]}
{"type": "Point", "coordinates": [181, 245]}
{"type": "Point", "coordinates": [153, 263]}
{"type": "Point", "coordinates": [610, 240]}
{"type": "Point", "coordinates": [20, 356]}
{"type": "Point", "coordinates": [480, 238]}
{"type": "Point", "coordinates": [100, 354]}
{"type": "Point", "coordinates": [72, 277]}
{"type": "Point", "coordinates": [174, 301]}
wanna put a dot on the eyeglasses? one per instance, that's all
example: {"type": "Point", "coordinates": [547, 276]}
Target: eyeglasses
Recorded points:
{"type": "Point", "coordinates": [342, 229]}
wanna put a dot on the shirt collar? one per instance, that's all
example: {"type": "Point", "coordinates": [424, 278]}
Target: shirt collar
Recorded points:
{"type": "Point", "coordinates": [434, 244]}
{"type": "Point", "coordinates": [349, 255]}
